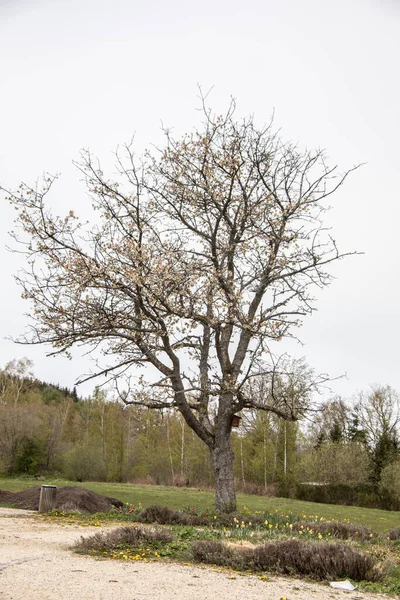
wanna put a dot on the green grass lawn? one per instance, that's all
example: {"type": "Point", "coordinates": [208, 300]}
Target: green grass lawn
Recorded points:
{"type": "Point", "coordinates": [176, 498]}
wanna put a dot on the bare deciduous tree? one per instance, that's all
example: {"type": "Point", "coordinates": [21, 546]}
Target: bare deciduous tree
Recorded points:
{"type": "Point", "coordinates": [378, 411]}
{"type": "Point", "coordinates": [207, 252]}
{"type": "Point", "coordinates": [15, 378]}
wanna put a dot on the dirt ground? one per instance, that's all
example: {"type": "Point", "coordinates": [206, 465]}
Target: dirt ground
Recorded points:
{"type": "Point", "coordinates": [37, 564]}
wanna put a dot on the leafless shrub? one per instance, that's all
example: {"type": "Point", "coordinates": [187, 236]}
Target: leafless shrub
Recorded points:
{"type": "Point", "coordinates": [338, 529]}
{"type": "Point", "coordinates": [131, 536]}
{"type": "Point", "coordinates": [218, 553]}
{"type": "Point", "coordinates": [320, 561]}
{"type": "Point", "coordinates": [394, 534]}
{"type": "Point", "coordinates": [166, 516]}
{"type": "Point", "coordinates": [180, 481]}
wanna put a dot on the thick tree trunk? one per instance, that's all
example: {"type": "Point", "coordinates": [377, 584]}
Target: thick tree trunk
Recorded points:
{"type": "Point", "coordinates": [222, 461]}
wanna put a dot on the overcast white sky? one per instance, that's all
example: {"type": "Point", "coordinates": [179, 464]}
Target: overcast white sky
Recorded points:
{"type": "Point", "coordinates": [90, 73]}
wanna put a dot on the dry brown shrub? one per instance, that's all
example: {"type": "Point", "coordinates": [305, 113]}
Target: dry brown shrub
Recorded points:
{"type": "Point", "coordinates": [180, 481]}
{"type": "Point", "coordinates": [166, 516]}
{"type": "Point", "coordinates": [129, 536]}
{"type": "Point", "coordinates": [338, 529]}
{"type": "Point", "coordinates": [219, 553]}
{"type": "Point", "coordinates": [394, 534]}
{"type": "Point", "coordinates": [163, 515]}
{"type": "Point", "coordinates": [317, 560]}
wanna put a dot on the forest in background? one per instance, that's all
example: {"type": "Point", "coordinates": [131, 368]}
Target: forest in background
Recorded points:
{"type": "Point", "coordinates": [347, 453]}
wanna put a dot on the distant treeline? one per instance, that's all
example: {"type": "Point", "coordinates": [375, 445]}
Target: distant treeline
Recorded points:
{"type": "Point", "coordinates": [347, 454]}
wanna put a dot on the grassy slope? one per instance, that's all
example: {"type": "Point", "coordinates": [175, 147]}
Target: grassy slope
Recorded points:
{"type": "Point", "coordinates": [379, 520]}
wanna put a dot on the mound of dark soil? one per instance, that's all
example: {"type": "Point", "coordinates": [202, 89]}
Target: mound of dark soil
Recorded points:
{"type": "Point", "coordinates": [68, 499]}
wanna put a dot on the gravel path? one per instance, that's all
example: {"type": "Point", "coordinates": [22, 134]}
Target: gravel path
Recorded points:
{"type": "Point", "coordinates": [36, 564]}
